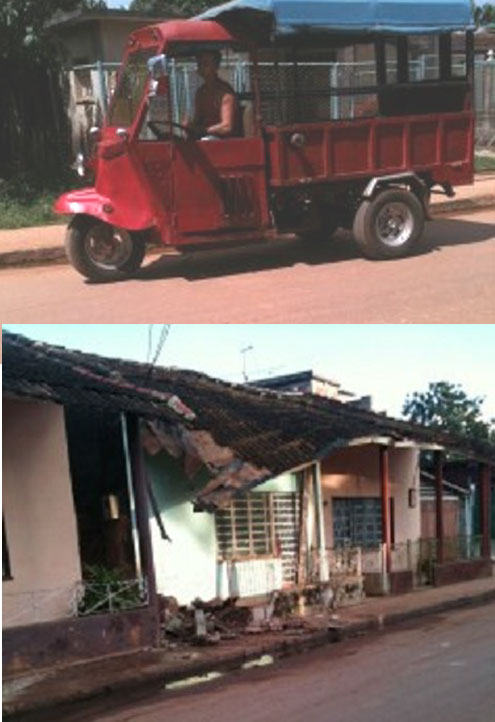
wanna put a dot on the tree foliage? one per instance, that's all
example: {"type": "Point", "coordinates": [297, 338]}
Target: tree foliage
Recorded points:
{"type": "Point", "coordinates": [187, 8]}
{"type": "Point", "coordinates": [33, 125]}
{"type": "Point", "coordinates": [484, 14]}
{"type": "Point", "coordinates": [447, 407]}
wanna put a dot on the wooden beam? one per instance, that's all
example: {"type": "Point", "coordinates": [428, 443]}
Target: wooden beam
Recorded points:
{"type": "Point", "coordinates": [438, 464]}
{"type": "Point", "coordinates": [142, 516]}
{"type": "Point", "coordinates": [485, 511]}
{"type": "Point", "coordinates": [385, 497]}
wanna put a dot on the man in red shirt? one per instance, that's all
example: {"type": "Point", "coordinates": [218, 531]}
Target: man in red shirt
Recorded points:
{"type": "Point", "coordinates": [216, 109]}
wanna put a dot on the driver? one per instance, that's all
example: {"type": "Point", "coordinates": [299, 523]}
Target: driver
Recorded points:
{"type": "Point", "coordinates": [216, 110]}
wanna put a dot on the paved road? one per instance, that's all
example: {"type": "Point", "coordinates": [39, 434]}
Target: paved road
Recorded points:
{"type": "Point", "coordinates": [439, 670]}
{"type": "Point", "coordinates": [452, 280]}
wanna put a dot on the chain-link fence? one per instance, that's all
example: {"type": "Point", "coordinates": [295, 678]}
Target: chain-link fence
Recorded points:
{"type": "Point", "coordinates": [312, 92]}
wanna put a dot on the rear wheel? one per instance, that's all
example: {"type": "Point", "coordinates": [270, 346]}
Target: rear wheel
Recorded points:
{"type": "Point", "coordinates": [102, 252]}
{"type": "Point", "coordinates": [390, 225]}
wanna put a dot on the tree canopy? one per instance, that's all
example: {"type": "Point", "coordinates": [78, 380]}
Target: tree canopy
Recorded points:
{"type": "Point", "coordinates": [447, 407]}
{"type": "Point", "coordinates": [484, 14]}
{"type": "Point", "coordinates": [187, 8]}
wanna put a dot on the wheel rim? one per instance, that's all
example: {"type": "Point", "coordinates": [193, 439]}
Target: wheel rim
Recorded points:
{"type": "Point", "coordinates": [394, 224]}
{"type": "Point", "coordinates": [108, 247]}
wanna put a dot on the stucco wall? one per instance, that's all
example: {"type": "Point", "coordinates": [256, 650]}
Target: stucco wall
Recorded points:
{"type": "Point", "coordinates": [354, 472]}
{"type": "Point", "coordinates": [39, 514]}
{"type": "Point", "coordinates": [187, 566]}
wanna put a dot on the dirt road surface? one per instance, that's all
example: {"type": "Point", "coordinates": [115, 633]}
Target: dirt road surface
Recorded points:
{"type": "Point", "coordinates": [451, 280]}
{"type": "Point", "coordinates": [440, 669]}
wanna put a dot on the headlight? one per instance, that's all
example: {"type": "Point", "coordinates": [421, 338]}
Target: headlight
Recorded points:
{"type": "Point", "coordinates": [79, 166]}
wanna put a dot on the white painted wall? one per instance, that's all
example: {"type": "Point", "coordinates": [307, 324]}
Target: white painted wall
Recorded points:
{"type": "Point", "coordinates": [187, 567]}
{"type": "Point", "coordinates": [39, 514]}
{"type": "Point", "coordinates": [354, 472]}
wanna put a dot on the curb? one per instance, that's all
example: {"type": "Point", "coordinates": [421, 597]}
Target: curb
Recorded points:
{"type": "Point", "coordinates": [155, 675]}
{"type": "Point", "coordinates": [462, 205]}
{"type": "Point", "coordinates": [55, 255]}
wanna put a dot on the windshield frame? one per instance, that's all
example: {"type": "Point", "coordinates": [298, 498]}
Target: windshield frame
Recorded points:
{"type": "Point", "coordinates": [140, 90]}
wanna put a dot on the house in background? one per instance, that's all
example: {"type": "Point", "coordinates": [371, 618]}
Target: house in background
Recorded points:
{"type": "Point", "coordinates": [309, 382]}
{"type": "Point", "coordinates": [91, 44]}
{"type": "Point", "coordinates": [74, 499]}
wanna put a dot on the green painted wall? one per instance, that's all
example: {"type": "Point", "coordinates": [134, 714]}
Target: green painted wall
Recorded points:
{"type": "Point", "coordinates": [186, 567]}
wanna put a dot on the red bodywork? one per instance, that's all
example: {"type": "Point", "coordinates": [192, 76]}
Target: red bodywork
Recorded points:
{"type": "Point", "coordinates": [203, 191]}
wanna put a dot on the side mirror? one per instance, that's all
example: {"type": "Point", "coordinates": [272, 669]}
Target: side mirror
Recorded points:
{"type": "Point", "coordinates": [157, 67]}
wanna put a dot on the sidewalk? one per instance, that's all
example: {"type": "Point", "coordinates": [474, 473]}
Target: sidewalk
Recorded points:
{"type": "Point", "coordinates": [155, 668]}
{"type": "Point", "coordinates": [44, 245]}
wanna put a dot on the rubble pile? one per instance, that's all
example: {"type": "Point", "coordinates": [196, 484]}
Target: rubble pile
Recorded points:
{"type": "Point", "coordinates": [203, 622]}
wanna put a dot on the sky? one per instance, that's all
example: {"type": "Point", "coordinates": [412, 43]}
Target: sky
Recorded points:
{"type": "Point", "coordinates": [386, 361]}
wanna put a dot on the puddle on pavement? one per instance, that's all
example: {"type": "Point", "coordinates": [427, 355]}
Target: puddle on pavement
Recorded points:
{"type": "Point", "coordinates": [191, 681]}
{"type": "Point", "coordinates": [262, 661]}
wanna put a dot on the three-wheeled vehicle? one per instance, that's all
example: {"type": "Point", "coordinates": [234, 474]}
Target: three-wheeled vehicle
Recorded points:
{"type": "Point", "coordinates": [352, 113]}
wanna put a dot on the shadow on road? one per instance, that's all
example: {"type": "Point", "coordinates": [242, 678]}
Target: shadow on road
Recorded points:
{"type": "Point", "coordinates": [285, 253]}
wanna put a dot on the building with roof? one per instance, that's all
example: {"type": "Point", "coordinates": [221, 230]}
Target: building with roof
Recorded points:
{"type": "Point", "coordinates": [309, 382]}
{"type": "Point", "coordinates": [134, 469]}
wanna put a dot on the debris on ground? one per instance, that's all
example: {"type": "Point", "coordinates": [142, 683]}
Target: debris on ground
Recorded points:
{"type": "Point", "coordinates": [204, 623]}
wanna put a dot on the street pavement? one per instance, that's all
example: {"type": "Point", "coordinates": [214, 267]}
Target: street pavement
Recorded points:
{"type": "Point", "coordinates": [439, 670]}
{"type": "Point", "coordinates": [452, 280]}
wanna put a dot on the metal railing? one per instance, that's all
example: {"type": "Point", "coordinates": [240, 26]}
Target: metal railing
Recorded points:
{"type": "Point", "coordinates": [76, 600]}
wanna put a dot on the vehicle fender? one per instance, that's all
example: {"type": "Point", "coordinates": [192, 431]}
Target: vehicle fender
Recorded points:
{"type": "Point", "coordinates": [89, 202]}
{"type": "Point", "coordinates": [416, 184]}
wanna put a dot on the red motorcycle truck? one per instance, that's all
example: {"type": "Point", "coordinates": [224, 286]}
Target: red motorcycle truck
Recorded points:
{"type": "Point", "coordinates": [346, 119]}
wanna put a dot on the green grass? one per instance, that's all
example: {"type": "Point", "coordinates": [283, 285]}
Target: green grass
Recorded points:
{"type": "Point", "coordinates": [26, 199]}
{"type": "Point", "coordinates": [35, 211]}
{"type": "Point", "coordinates": [484, 163]}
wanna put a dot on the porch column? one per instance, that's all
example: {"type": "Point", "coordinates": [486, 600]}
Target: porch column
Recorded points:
{"type": "Point", "coordinates": [438, 464]}
{"type": "Point", "coordinates": [486, 509]}
{"type": "Point", "coordinates": [385, 495]}
{"type": "Point", "coordinates": [142, 513]}
{"type": "Point", "coordinates": [320, 524]}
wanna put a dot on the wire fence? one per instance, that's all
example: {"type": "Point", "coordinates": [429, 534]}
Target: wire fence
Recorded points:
{"type": "Point", "coordinates": [92, 86]}
{"type": "Point", "coordinates": [75, 600]}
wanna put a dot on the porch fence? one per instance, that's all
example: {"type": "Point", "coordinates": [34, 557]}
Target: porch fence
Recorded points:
{"type": "Point", "coordinates": [348, 565]}
{"type": "Point", "coordinates": [345, 574]}
{"type": "Point", "coordinates": [419, 556]}
{"type": "Point", "coordinates": [77, 600]}
{"type": "Point", "coordinates": [92, 85]}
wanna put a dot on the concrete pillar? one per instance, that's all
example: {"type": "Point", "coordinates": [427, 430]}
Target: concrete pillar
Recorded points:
{"type": "Point", "coordinates": [438, 464]}
{"type": "Point", "coordinates": [320, 523]}
{"type": "Point", "coordinates": [384, 463]}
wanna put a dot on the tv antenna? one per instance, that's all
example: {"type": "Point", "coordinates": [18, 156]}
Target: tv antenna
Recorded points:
{"type": "Point", "coordinates": [244, 352]}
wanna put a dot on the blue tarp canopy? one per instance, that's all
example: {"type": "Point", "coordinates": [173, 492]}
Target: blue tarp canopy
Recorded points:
{"type": "Point", "coordinates": [385, 16]}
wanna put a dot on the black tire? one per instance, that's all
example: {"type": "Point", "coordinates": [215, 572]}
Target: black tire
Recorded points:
{"type": "Point", "coordinates": [319, 235]}
{"type": "Point", "coordinates": [77, 239]}
{"type": "Point", "coordinates": [379, 238]}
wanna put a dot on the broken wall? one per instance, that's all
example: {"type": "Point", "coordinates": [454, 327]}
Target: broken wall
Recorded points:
{"type": "Point", "coordinates": [188, 566]}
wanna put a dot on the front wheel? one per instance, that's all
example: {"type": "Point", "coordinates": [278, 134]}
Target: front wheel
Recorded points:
{"type": "Point", "coordinates": [390, 225]}
{"type": "Point", "coordinates": [102, 252]}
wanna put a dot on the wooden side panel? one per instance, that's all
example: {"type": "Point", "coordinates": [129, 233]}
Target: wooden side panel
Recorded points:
{"type": "Point", "coordinates": [423, 143]}
{"type": "Point", "coordinates": [349, 149]}
{"type": "Point", "coordinates": [441, 144]}
{"type": "Point", "coordinates": [390, 149]}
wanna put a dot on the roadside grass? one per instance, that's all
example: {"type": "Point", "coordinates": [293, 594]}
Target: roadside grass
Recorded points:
{"type": "Point", "coordinates": [27, 200]}
{"type": "Point", "coordinates": [484, 163]}
{"type": "Point", "coordinates": [21, 213]}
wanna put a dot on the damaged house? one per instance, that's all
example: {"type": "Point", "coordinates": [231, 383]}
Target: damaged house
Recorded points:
{"type": "Point", "coordinates": [181, 485]}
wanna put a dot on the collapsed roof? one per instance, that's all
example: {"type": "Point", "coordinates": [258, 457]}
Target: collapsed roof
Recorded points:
{"type": "Point", "coordinates": [252, 434]}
